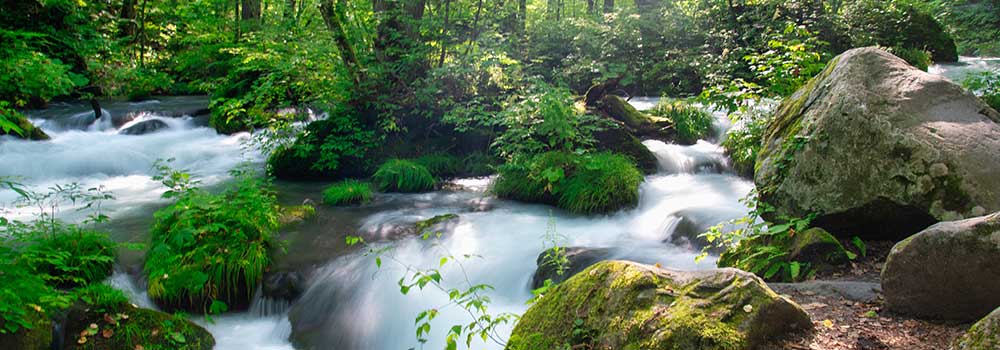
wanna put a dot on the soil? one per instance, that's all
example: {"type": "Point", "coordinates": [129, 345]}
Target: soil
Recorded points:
{"type": "Point", "coordinates": [848, 315]}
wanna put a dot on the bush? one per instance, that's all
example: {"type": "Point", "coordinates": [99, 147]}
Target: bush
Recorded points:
{"type": "Point", "coordinates": [987, 86]}
{"type": "Point", "coordinates": [335, 147]}
{"type": "Point", "coordinates": [398, 175]}
{"type": "Point", "coordinates": [24, 295]}
{"type": "Point", "coordinates": [691, 122]}
{"type": "Point", "coordinates": [919, 58]}
{"type": "Point", "coordinates": [744, 140]}
{"type": "Point", "coordinates": [585, 184]}
{"type": "Point", "coordinates": [212, 247]}
{"type": "Point", "coordinates": [898, 23]}
{"type": "Point", "coordinates": [69, 256]}
{"type": "Point", "coordinates": [102, 297]}
{"type": "Point", "coordinates": [348, 192]}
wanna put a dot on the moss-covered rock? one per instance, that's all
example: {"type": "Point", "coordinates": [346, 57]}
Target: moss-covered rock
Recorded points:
{"type": "Point", "coordinates": [626, 305]}
{"type": "Point", "coordinates": [576, 259]}
{"type": "Point", "coordinates": [948, 271]}
{"type": "Point", "coordinates": [294, 214]}
{"type": "Point", "coordinates": [617, 139]}
{"type": "Point", "coordinates": [880, 149]}
{"type": "Point", "coordinates": [126, 327]}
{"type": "Point", "coordinates": [28, 131]}
{"type": "Point", "coordinates": [984, 335]}
{"type": "Point", "coordinates": [38, 337]}
{"type": "Point", "coordinates": [639, 123]}
{"type": "Point", "coordinates": [817, 247]}
{"type": "Point", "coordinates": [437, 223]}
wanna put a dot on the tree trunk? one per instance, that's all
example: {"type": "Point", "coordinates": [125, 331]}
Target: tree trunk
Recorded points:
{"type": "Point", "coordinates": [590, 7]}
{"type": "Point", "coordinates": [475, 28]}
{"type": "Point", "coordinates": [333, 17]}
{"type": "Point", "coordinates": [609, 6]}
{"type": "Point", "coordinates": [522, 16]}
{"type": "Point", "coordinates": [444, 32]}
{"type": "Point", "coordinates": [126, 17]}
{"type": "Point", "coordinates": [250, 14]}
{"type": "Point", "coordinates": [288, 13]}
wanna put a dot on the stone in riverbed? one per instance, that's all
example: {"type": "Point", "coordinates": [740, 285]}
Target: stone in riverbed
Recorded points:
{"type": "Point", "coordinates": [283, 285]}
{"type": "Point", "coordinates": [145, 127]}
{"type": "Point", "coordinates": [626, 305]}
{"type": "Point", "coordinates": [984, 335]}
{"type": "Point", "coordinates": [880, 149]}
{"type": "Point", "coordinates": [948, 271]}
{"type": "Point", "coordinates": [577, 259]}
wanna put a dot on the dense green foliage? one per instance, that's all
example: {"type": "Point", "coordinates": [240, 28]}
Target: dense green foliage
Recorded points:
{"type": "Point", "coordinates": [348, 192]}
{"type": "Point", "coordinates": [690, 121]}
{"type": "Point", "coordinates": [586, 184]}
{"type": "Point", "coordinates": [209, 248]}
{"type": "Point", "coordinates": [987, 86]}
{"type": "Point", "coordinates": [24, 295]}
{"type": "Point", "coordinates": [974, 23]}
{"type": "Point", "coordinates": [71, 256]}
{"type": "Point", "coordinates": [400, 175]}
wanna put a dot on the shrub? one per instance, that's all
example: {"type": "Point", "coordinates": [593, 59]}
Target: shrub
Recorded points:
{"type": "Point", "coordinates": [987, 86]}
{"type": "Point", "coordinates": [330, 148]}
{"type": "Point", "coordinates": [212, 247]}
{"type": "Point", "coordinates": [398, 175]}
{"type": "Point", "coordinates": [440, 164]}
{"type": "Point", "coordinates": [744, 140]}
{"type": "Point", "coordinates": [24, 296]}
{"type": "Point", "coordinates": [348, 192]}
{"type": "Point", "coordinates": [691, 122]}
{"type": "Point", "coordinates": [585, 184]}
{"type": "Point", "coordinates": [102, 297]}
{"type": "Point", "coordinates": [69, 256]}
{"type": "Point", "coordinates": [919, 58]}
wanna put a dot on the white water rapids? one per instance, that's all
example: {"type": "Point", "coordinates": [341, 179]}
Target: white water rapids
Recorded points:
{"type": "Point", "coordinates": [350, 304]}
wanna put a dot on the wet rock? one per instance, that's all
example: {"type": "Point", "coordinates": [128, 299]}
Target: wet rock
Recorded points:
{"type": "Point", "coordinates": [125, 327]}
{"type": "Point", "coordinates": [817, 247]}
{"type": "Point", "coordinates": [145, 127]}
{"type": "Point", "coordinates": [283, 285]}
{"type": "Point", "coordinates": [626, 305]}
{"type": "Point", "coordinates": [619, 140]}
{"type": "Point", "coordinates": [576, 259]}
{"type": "Point", "coordinates": [639, 123]}
{"type": "Point", "coordinates": [948, 271]}
{"type": "Point", "coordinates": [28, 131]}
{"type": "Point", "coordinates": [439, 223]}
{"type": "Point", "coordinates": [295, 214]}
{"type": "Point", "coordinates": [690, 225]}
{"type": "Point", "coordinates": [984, 335]}
{"type": "Point", "coordinates": [880, 149]}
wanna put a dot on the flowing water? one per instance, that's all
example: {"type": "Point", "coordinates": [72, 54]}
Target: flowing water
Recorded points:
{"type": "Point", "coordinates": [349, 302]}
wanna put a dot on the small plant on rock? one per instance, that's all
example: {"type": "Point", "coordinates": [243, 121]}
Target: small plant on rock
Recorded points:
{"type": "Point", "coordinates": [348, 192]}
{"type": "Point", "coordinates": [399, 175]}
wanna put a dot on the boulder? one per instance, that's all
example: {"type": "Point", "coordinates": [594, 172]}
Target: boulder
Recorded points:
{"type": "Point", "coordinates": [626, 305]}
{"type": "Point", "coordinates": [438, 223]}
{"type": "Point", "coordinates": [639, 123]}
{"type": "Point", "coordinates": [577, 259]}
{"type": "Point", "coordinates": [618, 139]}
{"type": "Point", "coordinates": [880, 149]}
{"type": "Point", "coordinates": [817, 247]}
{"type": "Point", "coordinates": [948, 271]}
{"type": "Point", "coordinates": [984, 335]}
{"type": "Point", "coordinates": [126, 327]}
{"type": "Point", "coordinates": [283, 285]}
{"type": "Point", "coordinates": [295, 214]}
{"type": "Point", "coordinates": [38, 337]}
{"type": "Point", "coordinates": [28, 131]}
{"type": "Point", "coordinates": [145, 127]}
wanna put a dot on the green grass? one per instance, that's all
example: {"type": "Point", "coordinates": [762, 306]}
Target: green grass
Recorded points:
{"type": "Point", "coordinates": [585, 184]}
{"type": "Point", "coordinates": [399, 175]}
{"type": "Point", "coordinates": [212, 247]}
{"type": "Point", "coordinates": [348, 192]}
{"type": "Point", "coordinates": [70, 256]}
{"type": "Point", "coordinates": [691, 122]}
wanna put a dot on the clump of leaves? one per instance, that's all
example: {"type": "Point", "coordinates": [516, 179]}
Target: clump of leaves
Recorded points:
{"type": "Point", "coordinates": [919, 58]}
{"type": "Point", "coordinates": [987, 86]}
{"type": "Point", "coordinates": [348, 192]}
{"type": "Point", "coordinates": [102, 297]}
{"type": "Point", "coordinates": [24, 295]}
{"type": "Point", "coordinates": [400, 175]}
{"type": "Point", "coordinates": [211, 247]}
{"type": "Point", "coordinates": [586, 184]}
{"type": "Point", "coordinates": [691, 122]}
{"type": "Point", "coordinates": [441, 164]}
{"type": "Point", "coordinates": [70, 256]}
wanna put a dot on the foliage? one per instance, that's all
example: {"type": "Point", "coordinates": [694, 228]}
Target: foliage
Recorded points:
{"type": "Point", "coordinates": [897, 23]}
{"type": "Point", "coordinates": [400, 175]}
{"type": "Point", "coordinates": [211, 247]}
{"type": "Point", "coordinates": [974, 23]}
{"type": "Point", "coordinates": [586, 184]}
{"type": "Point", "coordinates": [26, 73]}
{"type": "Point", "coordinates": [24, 295]}
{"type": "Point", "coordinates": [348, 192]}
{"type": "Point", "coordinates": [793, 56]}
{"type": "Point", "coordinates": [745, 139]}
{"type": "Point", "coordinates": [987, 86]}
{"type": "Point", "coordinates": [70, 256]}
{"type": "Point", "coordinates": [919, 58]}
{"type": "Point", "coordinates": [334, 147]}
{"type": "Point", "coordinates": [543, 119]}
{"type": "Point", "coordinates": [102, 297]}
{"type": "Point", "coordinates": [690, 121]}
{"type": "Point", "coordinates": [441, 164]}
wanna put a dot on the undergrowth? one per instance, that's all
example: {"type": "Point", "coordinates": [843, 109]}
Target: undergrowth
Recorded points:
{"type": "Point", "coordinates": [690, 121]}
{"type": "Point", "coordinates": [399, 175]}
{"type": "Point", "coordinates": [348, 192]}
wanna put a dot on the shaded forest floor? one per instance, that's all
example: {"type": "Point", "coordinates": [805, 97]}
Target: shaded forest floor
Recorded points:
{"type": "Point", "coordinates": [846, 308]}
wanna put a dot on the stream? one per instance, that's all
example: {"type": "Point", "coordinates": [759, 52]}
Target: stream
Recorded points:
{"type": "Point", "coordinates": [349, 302]}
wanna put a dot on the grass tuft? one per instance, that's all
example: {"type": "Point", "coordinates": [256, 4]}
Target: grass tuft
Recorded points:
{"type": "Point", "coordinates": [348, 192]}
{"type": "Point", "coordinates": [399, 175]}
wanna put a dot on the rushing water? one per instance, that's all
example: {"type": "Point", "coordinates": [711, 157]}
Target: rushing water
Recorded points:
{"type": "Point", "coordinates": [349, 303]}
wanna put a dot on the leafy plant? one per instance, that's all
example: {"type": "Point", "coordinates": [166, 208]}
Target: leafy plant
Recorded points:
{"type": "Point", "coordinates": [348, 192]}
{"type": "Point", "coordinates": [24, 296]}
{"type": "Point", "coordinates": [586, 184]}
{"type": "Point", "coordinates": [399, 175]}
{"type": "Point", "coordinates": [691, 122]}
{"type": "Point", "coordinates": [919, 58]}
{"type": "Point", "coordinates": [212, 247]}
{"type": "Point", "coordinates": [987, 86]}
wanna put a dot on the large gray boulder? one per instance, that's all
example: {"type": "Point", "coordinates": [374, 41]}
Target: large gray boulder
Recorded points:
{"type": "Point", "coordinates": [948, 271]}
{"type": "Point", "coordinates": [627, 305]}
{"type": "Point", "coordinates": [984, 335]}
{"type": "Point", "coordinates": [880, 149]}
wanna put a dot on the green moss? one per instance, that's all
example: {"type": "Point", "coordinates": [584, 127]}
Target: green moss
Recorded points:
{"type": "Point", "coordinates": [816, 246]}
{"type": "Point", "coordinates": [38, 337]}
{"type": "Point", "coordinates": [984, 335]}
{"type": "Point", "coordinates": [290, 215]}
{"type": "Point", "coordinates": [125, 327]}
{"type": "Point", "coordinates": [348, 192]}
{"type": "Point", "coordinates": [690, 122]}
{"type": "Point", "coordinates": [423, 225]}
{"type": "Point", "coordinates": [621, 110]}
{"type": "Point", "coordinates": [398, 175]}
{"type": "Point", "coordinates": [27, 130]}
{"type": "Point", "coordinates": [625, 305]}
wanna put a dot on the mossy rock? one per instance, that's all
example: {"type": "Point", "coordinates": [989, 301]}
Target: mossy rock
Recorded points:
{"type": "Point", "coordinates": [626, 305]}
{"type": "Point", "coordinates": [639, 123]}
{"type": "Point", "coordinates": [38, 337]}
{"type": "Point", "coordinates": [29, 131]}
{"type": "Point", "coordinates": [817, 247]}
{"type": "Point", "coordinates": [984, 335]}
{"type": "Point", "coordinates": [577, 259]}
{"type": "Point", "coordinates": [126, 327]}
{"type": "Point", "coordinates": [436, 223]}
{"type": "Point", "coordinates": [617, 139]}
{"type": "Point", "coordinates": [295, 214]}
{"type": "Point", "coordinates": [879, 149]}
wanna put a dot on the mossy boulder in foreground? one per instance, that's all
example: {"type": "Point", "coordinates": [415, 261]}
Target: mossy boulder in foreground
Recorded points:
{"type": "Point", "coordinates": [880, 149]}
{"type": "Point", "coordinates": [984, 335]}
{"type": "Point", "coordinates": [948, 271]}
{"type": "Point", "coordinates": [125, 327]}
{"type": "Point", "coordinates": [28, 131]}
{"type": "Point", "coordinates": [38, 337]}
{"type": "Point", "coordinates": [631, 306]}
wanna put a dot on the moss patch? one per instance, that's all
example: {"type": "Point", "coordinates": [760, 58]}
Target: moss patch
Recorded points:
{"type": "Point", "coordinates": [624, 305]}
{"type": "Point", "coordinates": [125, 327]}
{"type": "Point", "coordinates": [39, 337]}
